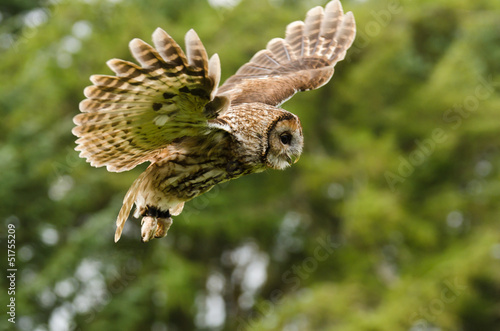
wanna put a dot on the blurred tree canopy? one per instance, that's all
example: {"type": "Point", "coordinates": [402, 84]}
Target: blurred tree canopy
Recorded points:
{"type": "Point", "coordinates": [388, 222]}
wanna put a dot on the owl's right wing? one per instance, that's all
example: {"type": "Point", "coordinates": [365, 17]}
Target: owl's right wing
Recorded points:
{"type": "Point", "coordinates": [303, 61]}
{"type": "Point", "coordinates": [128, 118]}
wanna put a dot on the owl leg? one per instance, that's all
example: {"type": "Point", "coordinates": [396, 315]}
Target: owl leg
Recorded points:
{"type": "Point", "coordinates": [155, 223]}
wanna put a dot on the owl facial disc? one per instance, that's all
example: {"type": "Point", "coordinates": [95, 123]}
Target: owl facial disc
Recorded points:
{"type": "Point", "coordinates": [285, 142]}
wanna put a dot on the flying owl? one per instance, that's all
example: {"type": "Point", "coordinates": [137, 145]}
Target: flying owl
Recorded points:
{"type": "Point", "coordinates": [170, 111]}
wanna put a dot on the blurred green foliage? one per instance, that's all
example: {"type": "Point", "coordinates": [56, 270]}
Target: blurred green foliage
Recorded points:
{"type": "Point", "coordinates": [388, 222]}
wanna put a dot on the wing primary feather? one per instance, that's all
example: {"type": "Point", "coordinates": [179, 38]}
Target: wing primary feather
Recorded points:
{"type": "Point", "coordinates": [344, 37]}
{"type": "Point", "coordinates": [214, 73]}
{"type": "Point", "coordinates": [146, 55]}
{"type": "Point", "coordinates": [312, 25]}
{"type": "Point", "coordinates": [295, 37]}
{"type": "Point", "coordinates": [124, 68]}
{"type": "Point", "coordinates": [195, 51]}
{"type": "Point", "coordinates": [331, 19]}
{"type": "Point", "coordinates": [168, 48]}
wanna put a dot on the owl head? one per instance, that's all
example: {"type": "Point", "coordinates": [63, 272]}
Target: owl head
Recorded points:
{"type": "Point", "coordinates": [284, 141]}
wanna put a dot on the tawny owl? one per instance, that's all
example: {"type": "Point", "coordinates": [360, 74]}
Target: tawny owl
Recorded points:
{"type": "Point", "coordinates": [171, 112]}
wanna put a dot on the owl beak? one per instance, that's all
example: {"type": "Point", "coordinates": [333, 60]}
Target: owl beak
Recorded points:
{"type": "Point", "coordinates": [292, 159]}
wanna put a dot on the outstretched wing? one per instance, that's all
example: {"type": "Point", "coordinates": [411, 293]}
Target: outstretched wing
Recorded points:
{"type": "Point", "coordinates": [128, 118]}
{"type": "Point", "coordinates": [303, 61]}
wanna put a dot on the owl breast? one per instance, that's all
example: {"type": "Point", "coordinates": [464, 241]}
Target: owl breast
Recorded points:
{"type": "Point", "coordinates": [190, 168]}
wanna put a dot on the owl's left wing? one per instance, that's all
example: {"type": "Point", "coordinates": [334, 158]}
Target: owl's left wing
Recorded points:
{"type": "Point", "coordinates": [303, 61]}
{"type": "Point", "coordinates": [128, 118]}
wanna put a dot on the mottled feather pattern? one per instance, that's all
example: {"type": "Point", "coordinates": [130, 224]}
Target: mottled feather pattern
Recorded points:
{"type": "Point", "coordinates": [168, 110]}
{"type": "Point", "coordinates": [126, 119]}
{"type": "Point", "coordinates": [287, 65]}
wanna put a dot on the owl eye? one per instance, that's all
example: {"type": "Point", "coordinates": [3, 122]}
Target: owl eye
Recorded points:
{"type": "Point", "coordinates": [286, 138]}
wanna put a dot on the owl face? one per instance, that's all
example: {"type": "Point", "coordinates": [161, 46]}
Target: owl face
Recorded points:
{"type": "Point", "coordinates": [285, 142]}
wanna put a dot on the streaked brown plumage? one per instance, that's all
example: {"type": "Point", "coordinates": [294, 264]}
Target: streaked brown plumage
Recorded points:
{"type": "Point", "coordinates": [169, 111]}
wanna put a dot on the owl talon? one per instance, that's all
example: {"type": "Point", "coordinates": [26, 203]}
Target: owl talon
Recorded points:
{"type": "Point", "coordinates": [163, 226]}
{"type": "Point", "coordinates": [149, 227]}
{"type": "Point", "coordinates": [153, 227]}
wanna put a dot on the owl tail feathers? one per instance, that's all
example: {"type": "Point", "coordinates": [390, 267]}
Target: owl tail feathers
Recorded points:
{"type": "Point", "coordinates": [128, 202]}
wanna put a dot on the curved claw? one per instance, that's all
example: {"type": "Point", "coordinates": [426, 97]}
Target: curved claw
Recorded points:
{"type": "Point", "coordinates": [153, 227]}
{"type": "Point", "coordinates": [163, 226]}
{"type": "Point", "coordinates": [149, 226]}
